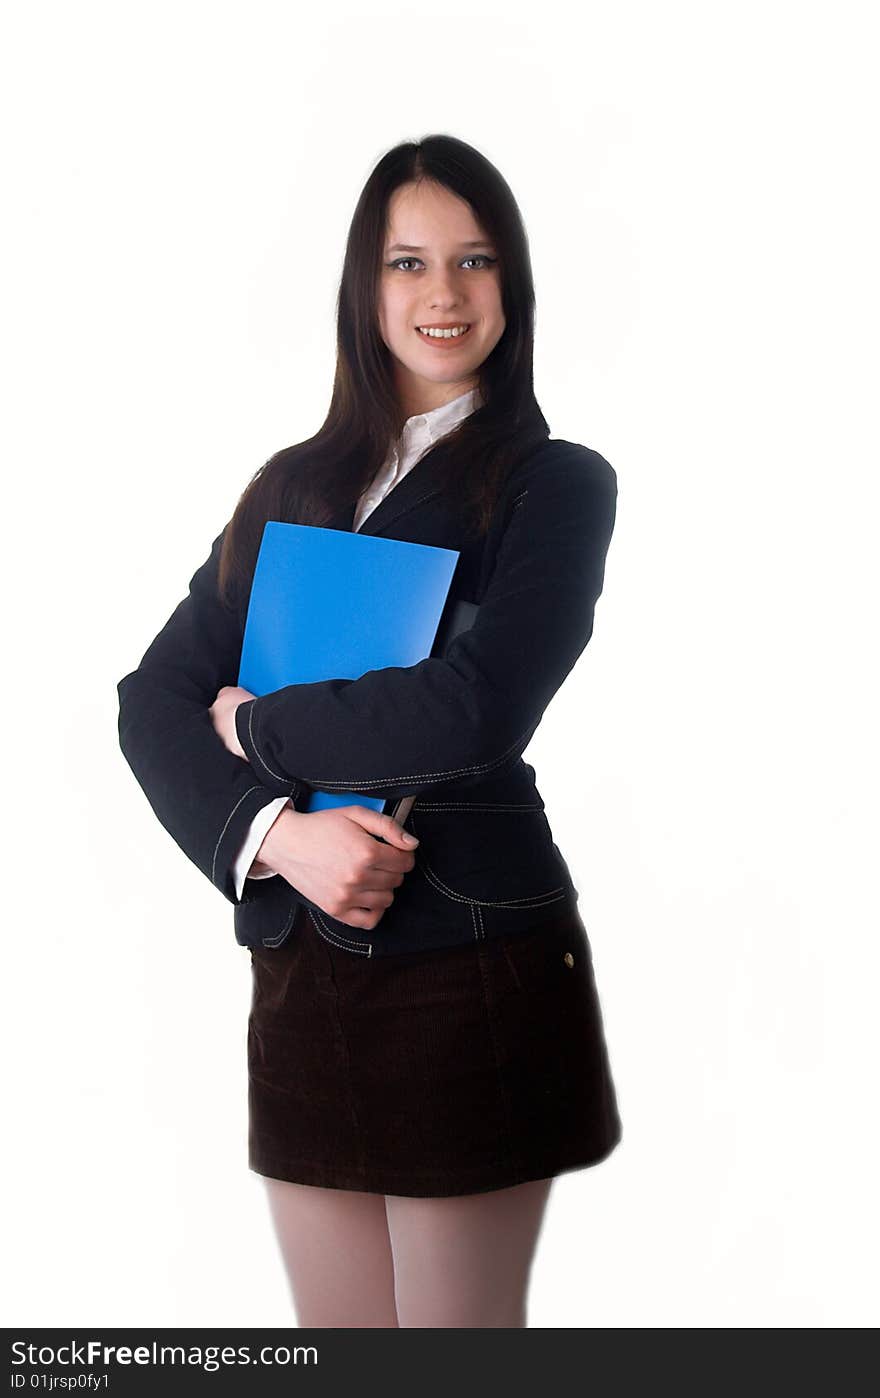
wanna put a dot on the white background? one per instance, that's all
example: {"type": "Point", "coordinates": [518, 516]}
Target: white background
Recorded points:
{"type": "Point", "coordinates": [697, 185]}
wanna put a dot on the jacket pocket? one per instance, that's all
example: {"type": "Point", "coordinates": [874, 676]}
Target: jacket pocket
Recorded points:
{"type": "Point", "coordinates": [266, 915]}
{"type": "Point", "coordinates": [495, 853]}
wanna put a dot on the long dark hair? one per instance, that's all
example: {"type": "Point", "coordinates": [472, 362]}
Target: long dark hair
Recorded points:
{"type": "Point", "coordinates": [310, 482]}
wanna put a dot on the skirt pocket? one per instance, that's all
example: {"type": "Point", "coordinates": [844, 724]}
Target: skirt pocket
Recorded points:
{"type": "Point", "coordinates": [551, 1042]}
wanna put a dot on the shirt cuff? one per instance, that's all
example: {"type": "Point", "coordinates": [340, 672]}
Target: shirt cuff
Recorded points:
{"type": "Point", "coordinates": [252, 841]}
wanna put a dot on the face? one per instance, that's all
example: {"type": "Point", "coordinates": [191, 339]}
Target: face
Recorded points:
{"type": "Point", "coordinates": [438, 269]}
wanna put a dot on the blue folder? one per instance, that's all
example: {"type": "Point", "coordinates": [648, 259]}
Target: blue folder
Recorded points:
{"type": "Point", "coordinates": [333, 604]}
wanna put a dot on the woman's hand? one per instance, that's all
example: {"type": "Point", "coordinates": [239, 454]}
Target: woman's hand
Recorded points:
{"type": "Point", "coordinates": [222, 713]}
{"type": "Point", "coordinates": [332, 857]}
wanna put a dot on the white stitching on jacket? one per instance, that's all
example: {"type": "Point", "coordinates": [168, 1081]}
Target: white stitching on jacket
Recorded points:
{"type": "Point", "coordinates": [352, 784]}
{"type": "Point", "coordinates": [250, 726]}
{"type": "Point", "coordinates": [225, 827]}
{"type": "Point", "coordinates": [336, 940]}
{"type": "Point", "coordinates": [279, 937]}
{"type": "Point", "coordinates": [474, 921]}
{"type": "Point", "coordinates": [478, 914]}
{"type": "Point", "coordinates": [493, 808]}
{"type": "Point", "coordinates": [533, 900]}
{"type": "Point", "coordinates": [294, 785]}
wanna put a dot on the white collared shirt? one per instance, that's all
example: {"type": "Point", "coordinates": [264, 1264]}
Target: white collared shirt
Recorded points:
{"type": "Point", "coordinates": [419, 433]}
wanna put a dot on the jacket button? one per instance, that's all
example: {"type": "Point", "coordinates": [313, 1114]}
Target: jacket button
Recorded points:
{"type": "Point", "coordinates": [568, 959]}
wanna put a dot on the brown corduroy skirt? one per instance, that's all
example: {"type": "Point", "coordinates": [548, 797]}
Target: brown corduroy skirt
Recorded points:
{"type": "Point", "coordinates": [429, 1073]}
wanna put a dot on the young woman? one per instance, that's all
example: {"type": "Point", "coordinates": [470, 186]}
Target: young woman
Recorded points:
{"type": "Point", "coordinates": [425, 1044]}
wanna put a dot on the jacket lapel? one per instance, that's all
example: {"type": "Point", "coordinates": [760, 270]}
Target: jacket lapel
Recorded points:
{"type": "Point", "coordinates": [418, 485]}
{"type": "Point", "coordinates": [389, 510]}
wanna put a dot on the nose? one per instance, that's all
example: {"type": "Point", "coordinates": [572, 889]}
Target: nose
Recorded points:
{"type": "Point", "coordinates": [444, 291]}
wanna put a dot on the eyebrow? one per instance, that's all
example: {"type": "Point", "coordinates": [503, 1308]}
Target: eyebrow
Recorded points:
{"type": "Point", "coordinates": [411, 247]}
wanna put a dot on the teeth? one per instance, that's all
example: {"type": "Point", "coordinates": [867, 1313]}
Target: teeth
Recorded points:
{"type": "Point", "coordinates": [443, 334]}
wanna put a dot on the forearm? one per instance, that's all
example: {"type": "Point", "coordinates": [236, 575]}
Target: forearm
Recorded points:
{"type": "Point", "coordinates": [401, 731]}
{"type": "Point", "coordinates": [456, 719]}
{"type": "Point", "coordinates": [203, 795]}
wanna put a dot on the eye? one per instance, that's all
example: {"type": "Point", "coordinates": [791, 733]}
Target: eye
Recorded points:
{"type": "Point", "coordinates": [476, 257]}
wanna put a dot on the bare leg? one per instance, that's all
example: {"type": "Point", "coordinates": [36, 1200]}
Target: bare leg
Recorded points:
{"type": "Point", "coordinates": [464, 1261]}
{"type": "Point", "coordinates": [337, 1254]}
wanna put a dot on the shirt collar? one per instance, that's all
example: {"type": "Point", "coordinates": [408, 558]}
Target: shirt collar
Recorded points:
{"type": "Point", "coordinates": [423, 429]}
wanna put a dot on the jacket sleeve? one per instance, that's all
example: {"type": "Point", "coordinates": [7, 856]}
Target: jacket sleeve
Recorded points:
{"type": "Point", "coordinates": [457, 719]}
{"type": "Point", "coordinates": [204, 796]}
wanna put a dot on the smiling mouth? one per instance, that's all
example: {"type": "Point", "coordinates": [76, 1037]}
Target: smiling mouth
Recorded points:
{"type": "Point", "coordinates": [452, 333]}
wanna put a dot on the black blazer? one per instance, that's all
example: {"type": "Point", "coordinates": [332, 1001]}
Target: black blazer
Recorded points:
{"type": "Point", "coordinates": [451, 730]}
